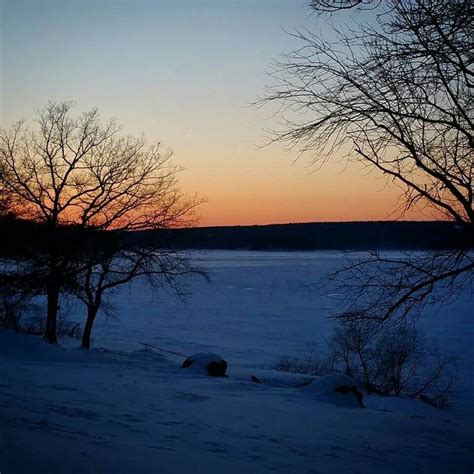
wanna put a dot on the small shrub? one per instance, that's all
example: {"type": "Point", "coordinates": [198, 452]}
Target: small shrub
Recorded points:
{"type": "Point", "coordinates": [395, 360]}
{"type": "Point", "coordinates": [14, 309]}
{"type": "Point", "coordinates": [310, 363]}
{"type": "Point", "coordinates": [288, 364]}
{"type": "Point", "coordinates": [20, 313]}
{"type": "Point", "coordinates": [35, 324]}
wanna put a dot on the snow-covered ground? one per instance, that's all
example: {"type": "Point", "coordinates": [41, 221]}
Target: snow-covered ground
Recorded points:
{"type": "Point", "coordinates": [127, 410]}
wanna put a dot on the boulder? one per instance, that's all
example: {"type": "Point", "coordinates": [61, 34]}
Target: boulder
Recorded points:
{"type": "Point", "coordinates": [206, 364]}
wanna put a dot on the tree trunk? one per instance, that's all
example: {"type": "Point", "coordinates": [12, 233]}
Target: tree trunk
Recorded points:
{"type": "Point", "coordinates": [51, 319]}
{"type": "Point", "coordinates": [53, 286]}
{"type": "Point", "coordinates": [86, 335]}
{"type": "Point", "coordinates": [368, 383]}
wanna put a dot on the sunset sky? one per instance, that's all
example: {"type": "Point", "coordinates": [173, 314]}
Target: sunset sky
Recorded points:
{"type": "Point", "coordinates": [185, 73]}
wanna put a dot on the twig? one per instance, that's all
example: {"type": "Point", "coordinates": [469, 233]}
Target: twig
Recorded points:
{"type": "Point", "coordinates": [164, 350]}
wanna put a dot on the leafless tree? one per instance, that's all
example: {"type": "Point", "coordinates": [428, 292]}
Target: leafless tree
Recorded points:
{"type": "Point", "coordinates": [393, 360]}
{"type": "Point", "coordinates": [383, 287]}
{"type": "Point", "coordinates": [396, 95]}
{"type": "Point", "coordinates": [386, 359]}
{"type": "Point", "coordinates": [5, 198]}
{"type": "Point", "coordinates": [119, 264]}
{"type": "Point", "coordinates": [338, 5]}
{"type": "Point", "coordinates": [81, 173]}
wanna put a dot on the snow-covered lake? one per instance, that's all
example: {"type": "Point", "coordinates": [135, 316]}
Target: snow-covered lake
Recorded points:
{"type": "Point", "coordinates": [257, 307]}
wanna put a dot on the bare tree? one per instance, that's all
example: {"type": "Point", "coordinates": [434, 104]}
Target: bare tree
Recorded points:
{"type": "Point", "coordinates": [383, 287]}
{"type": "Point", "coordinates": [396, 95]}
{"type": "Point", "coordinates": [5, 197]}
{"type": "Point", "coordinates": [350, 345]}
{"type": "Point", "coordinates": [119, 263]}
{"type": "Point", "coordinates": [393, 360]}
{"type": "Point", "coordinates": [82, 173]}
{"type": "Point", "coordinates": [332, 6]}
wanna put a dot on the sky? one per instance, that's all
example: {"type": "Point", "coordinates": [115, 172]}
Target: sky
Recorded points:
{"type": "Point", "coordinates": [186, 73]}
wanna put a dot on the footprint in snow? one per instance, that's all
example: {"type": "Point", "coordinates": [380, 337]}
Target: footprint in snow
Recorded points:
{"type": "Point", "coordinates": [100, 442]}
{"type": "Point", "coordinates": [164, 448]}
{"type": "Point", "coordinates": [74, 412]}
{"type": "Point", "coordinates": [192, 397]}
{"type": "Point", "coordinates": [217, 448]}
{"type": "Point", "coordinates": [65, 388]}
{"type": "Point", "coordinates": [169, 423]}
{"type": "Point", "coordinates": [130, 418]}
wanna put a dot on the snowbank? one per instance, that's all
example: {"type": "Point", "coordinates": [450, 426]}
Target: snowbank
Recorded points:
{"type": "Point", "coordinates": [335, 388]}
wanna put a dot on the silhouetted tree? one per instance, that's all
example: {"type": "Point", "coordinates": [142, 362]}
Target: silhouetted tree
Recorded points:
{"type": "Point", "coordinates": [6, 209]}
{"type": "Point", "coordinates": [393, 360]}
{"type": "Point", "coordinates": [395, 94]}
{"type": "Point", "coordinates": [81, 173]}
{"type": "Point", "coordinates": [338, 5]}
{"type": "Point", "coordinates": [102, 276]}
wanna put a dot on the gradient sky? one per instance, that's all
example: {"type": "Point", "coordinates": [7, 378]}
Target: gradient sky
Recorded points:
{"type": "Point", "coordinates": [185, 73]}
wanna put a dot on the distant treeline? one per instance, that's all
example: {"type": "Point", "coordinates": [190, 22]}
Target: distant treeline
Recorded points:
{"type": "Point", "coordinates": [19, 236]}
{"type": "Point", "coordinates": [330, 236]}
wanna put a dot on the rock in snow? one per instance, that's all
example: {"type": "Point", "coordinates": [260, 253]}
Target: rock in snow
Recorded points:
{"type": "Point", "coordinates": [206, 364]}
{"type": "Point", "coordinates": [338, 388]}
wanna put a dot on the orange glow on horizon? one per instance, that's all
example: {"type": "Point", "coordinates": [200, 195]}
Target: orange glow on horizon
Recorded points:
{"type": "Point", "coordinates": [271, 191]}
{"type": "Point", "coordinates": [239, 212]}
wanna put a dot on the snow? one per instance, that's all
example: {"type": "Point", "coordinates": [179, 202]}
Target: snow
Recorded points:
{"type": "Point", "coordinates": [120, 408]}
{"type": "Point", "coordinates": [324, 389]}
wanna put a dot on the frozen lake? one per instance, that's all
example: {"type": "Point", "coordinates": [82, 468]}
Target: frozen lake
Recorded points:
{"type": "Point", "coordinates": [256, 308]}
